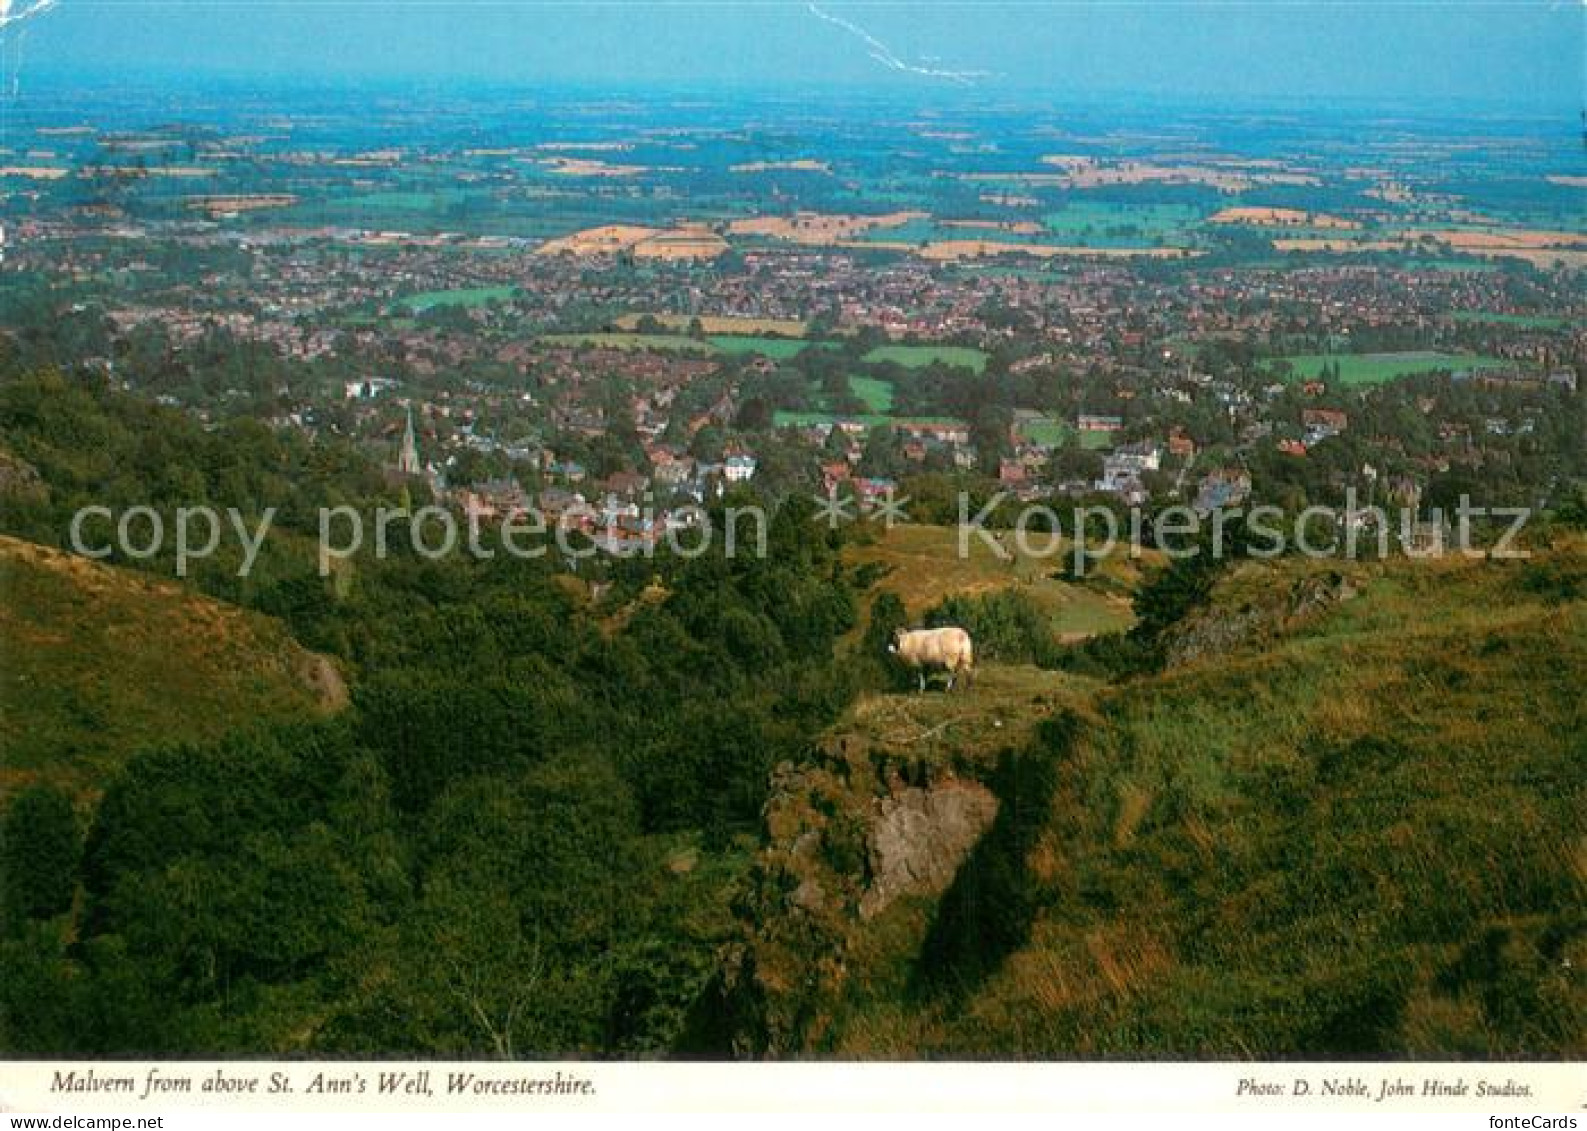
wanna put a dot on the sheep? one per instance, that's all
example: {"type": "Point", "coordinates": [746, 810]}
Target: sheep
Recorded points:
{"type": "Point", "coordinates": [946, 648]}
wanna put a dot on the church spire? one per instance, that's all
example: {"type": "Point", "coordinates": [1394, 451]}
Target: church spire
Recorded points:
{"type": "Point", "coordinates": [408, 454]}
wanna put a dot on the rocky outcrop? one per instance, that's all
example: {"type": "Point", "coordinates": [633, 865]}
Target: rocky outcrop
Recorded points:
{"type": "Point", "coordinates": [20, 479]}
{"type": "Point", "coordinates": [863, 840]}
{"type": "Point", "coordinates": [919, 837]}
{"type": "Point", "coordinates": [1230, 623]}
{"type": "Point", "coordinates": [853, 837]}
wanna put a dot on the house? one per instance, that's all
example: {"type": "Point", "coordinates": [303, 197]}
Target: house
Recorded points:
{"type": "Point", "coordinates": [1321, 423]}
{"type": "Point", "coordinates": [367, 388]}
{"type": "Point", "coordinates": [494, 498]}
{"type": "Point", "coordinates": [1139, 457]}
{"type": "Point", "coordinates": [738, 468]}
{"type": "Point", "coordinates": [570, 470]}
{"type": "Point", "coordinates": [1092, 422]}
{"type": "Point", "coordinates": [1225, 487]}
{"type": "Point", "coordinates": [833, 473]}
{"type": "Point", "coordinates": [1123, 469]}
{"type": "Point", "coordinates": [869, 492]}
{"type": "Point", "coordinates": [1012, 473]}
{"type": "Point", "coordinates": [941, 431]}
{"type": "Point", "coordinates": [626, 484]}
{"type": "Point", "coordinates": [674, 472]}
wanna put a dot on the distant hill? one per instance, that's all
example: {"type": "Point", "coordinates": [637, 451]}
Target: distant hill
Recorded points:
{"type": "Point", "coordinates": [1346, 820]}
{"type": "Point", "coordinates": [96, 662]}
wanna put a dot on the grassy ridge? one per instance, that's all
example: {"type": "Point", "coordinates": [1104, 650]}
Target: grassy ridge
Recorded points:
{"type": "Point", "coordinates": [1356, 832]}
{"type": "Point", "coordinates": [99, 662]}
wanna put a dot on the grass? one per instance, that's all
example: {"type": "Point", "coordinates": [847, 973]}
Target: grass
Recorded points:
{"type": "Point", "coordinates": [1522, 321]}
{"type": "Point", "coordinates": [778, 349]}
{"type": "Point", "coordinates": [465, 296]}
{"type": "Point", "coordinates": [925, 567]}
{"type": "Point", "coordinates": [785, 418]}
{"type": "Point", "coordinates": [398, 201]}
{"type": "Point", "coordinates": [846, 943]}
{"type": "Point", "coordinates": [1047, 432]}
{"type": "Point", "coordinates": [1376, 368]}
{"type": "Point", "coordinates": [876, 393]}
{"type": "Point", "coordinates": [918, 357]}
{"type": "Point", "coordinates": [101, 661]}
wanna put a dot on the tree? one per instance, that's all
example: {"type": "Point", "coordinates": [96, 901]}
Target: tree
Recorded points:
{"type": "Point", "coordinates": [39, 853]}
{"type": "Point", "coordinates": [755, 415]}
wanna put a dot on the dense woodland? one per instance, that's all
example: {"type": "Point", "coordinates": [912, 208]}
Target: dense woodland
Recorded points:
{"type": "Point", "coordinates": [473, 859]}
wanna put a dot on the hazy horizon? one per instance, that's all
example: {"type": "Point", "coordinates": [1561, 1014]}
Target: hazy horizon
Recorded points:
{"type": "Point", "coordinates": [1454, 56]}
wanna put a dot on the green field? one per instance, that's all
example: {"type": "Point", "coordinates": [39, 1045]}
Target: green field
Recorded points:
{"type": "Point", "coordinates": [1523, 321]}
{"type": "Point", "coordinates": [918, 357]}
{"type": "Point", "coordinates": [876, 393]}
{"type": "Point", "coordinates": [1375, 368]}
{"type": "Point", "coordinates": [778, 349]}
{"type": "Point", "coordinates": [466, 296]}
{"type": "Point", "coordinates": [1046, 432]}
{"type": "Point", "coordinates": [1104, 224]}
{"type": "Point", "coordinates": [398, 201]}
{"type": "Point", "coordinates": [788, 419]}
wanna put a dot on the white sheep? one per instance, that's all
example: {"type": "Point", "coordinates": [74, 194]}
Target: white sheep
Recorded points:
{"type": "Point", "coordinates": [946, 648]}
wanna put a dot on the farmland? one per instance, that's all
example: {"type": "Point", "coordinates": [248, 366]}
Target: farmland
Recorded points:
{"type": "Point", "coordinates": [735, 326]}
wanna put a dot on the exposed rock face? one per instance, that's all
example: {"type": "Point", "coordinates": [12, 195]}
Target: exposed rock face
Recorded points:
{"type": "Point", "coordinates": [863, 838]}
{"type": "Point", "coordinates": [920, 837]}
{"type": "Point", "coordinates": [1218, 631]}
{"type": "Point", "coordinates": [325, 680]}
{"type": "Point", "coordinates": [20, 479]}
{"type": "Point", "coordinates": [856, 833]}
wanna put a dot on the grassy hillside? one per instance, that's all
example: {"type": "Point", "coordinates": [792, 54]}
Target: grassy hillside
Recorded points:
{"type": "Point", "coordinates": [923, 566]}
{"type": "Point", "coordinates": [98, 661]}
{"type": "Point", "coordinates": [1350, 820]}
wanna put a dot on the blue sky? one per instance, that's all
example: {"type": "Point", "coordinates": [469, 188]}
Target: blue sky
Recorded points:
{"type": "Point", "coordinates": [1526, 53]}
